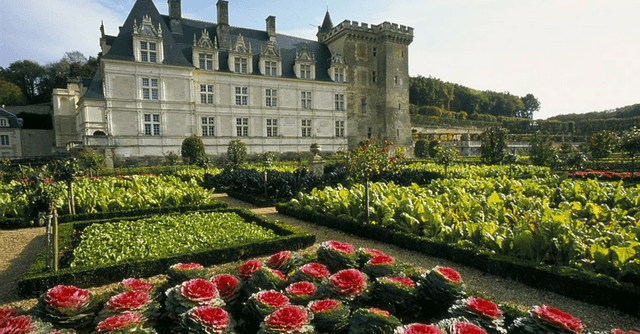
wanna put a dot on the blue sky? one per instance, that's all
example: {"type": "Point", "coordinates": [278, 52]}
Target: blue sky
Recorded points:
{"type": "Point", "coordinates": [574, 55]}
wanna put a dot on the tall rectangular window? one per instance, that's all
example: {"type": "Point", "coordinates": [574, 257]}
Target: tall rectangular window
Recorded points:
{"type": "Point", "coordinates": [242, 127]}
{"type": "Point", "coordinates": [272, 127]}
{"type": "Point", "coordinates": [271, 97]}
{"type": "Point", "coordinates": [208, 126]}
{"type": "Point", "coordinates": [205, 61]}
{"type": "Point", "coordinates": [151, 124]}
{"type": "Point", "coordinates": [339, 128]}
{"type": "Point", "coordinates": [4, 123]}
{"type": "Point", "coordinates": [364, 105]}
{"type": "Point", "coordinates": [241, 96]}
{"type": "Point", "coordinates": [270, 68]}
{"type": "Point", "coordinates": [206, 94]}
{"type": "Point", "coordinates": [306, 128]}
{"type": "Point", "coordinates": [149, 89]}
{"type": "Point", "coordinates": [148, 52]}
{"type": "Point", "coordinates": [305, 71]}
{"type": "Point", "coordinates": [374, 76]}
{"type": "Point", "coordinates": [305, 100]}
{"type": "Point", "coordinates": [4, 140]}
{"type": "Point", "coordinates": [339, 100]}
{"type": "Point", "coordinates": [338, 74]}
{"type": "Point", "coordinates": [241, 65]}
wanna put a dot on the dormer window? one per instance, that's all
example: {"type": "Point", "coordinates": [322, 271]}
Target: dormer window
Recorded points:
{"type": "Point", "coordinates": [305, 64]}
{"type": "Point", "coordinates": [148, 52]}
{"type": "Point", "coordinates": [270, 68]}
{"type": "Point", "coordinates": [147, 42]}
{"type": "Point", "coordinates": [4, 123]}
{"type": "Point", "coordinates": [270, 60]}
{"type": "Point", "coordinates": [338, 74]}
{"type": "Point", "coordinates": [205, 52]}
{"type": "Point", "coordinates": [240, 65]}
{"type": "Point", "coordinates": [241, 57]}
{"type": "Point", "coordinates": [205, 61]}
{"type": "Point", "coordinates": [338, 68]}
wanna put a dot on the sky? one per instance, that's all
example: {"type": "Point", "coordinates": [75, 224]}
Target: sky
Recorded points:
{"type": "Point", "coordinates": [575, 56]}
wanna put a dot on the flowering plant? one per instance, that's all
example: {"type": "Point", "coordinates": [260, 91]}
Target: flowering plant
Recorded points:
{"type": "Point", "coordinates": [66, 306]}
{"type": "Point", "coordinates": [337, 255]}
{"type": "Point", "coordinates": [246, 270]}
{"type": "Point", "coordinates": [289, 319]}
{"type": "Point", "coordinates": [481, 312]}
{"type": "Point", "coordinates": [398, 291]}
{"type": "Point", "coordinates": [329, 315]}
{"type": "Point", "coordinates": [133, 301]}
{"type": "Point", "coordinates": [12, 322]}
{"type": "Point", "coordinates": [301, 292]}
{"type": "Point", "coordinates": [372, 320]}
{"type": "Point", "coordinates": [181, 272]}
{"type": "Point", "coordinates": [366, 254]}
{"type": "Point", "coordinates": [548, 320]}
{"type": "Point", "coordinates": [134, 284]}
{"type": "Point", "coordinates": [285, 261]}
{"type": "Point", "coordinates": [380, 265]}
{"type": "Point", "coordinates": [262, 303]}
{"type": "Point", "coordinates": [347, 284]}
{"type": "Point", "coordinates": [194, 292]}
{"type": "Point", "coordinates": [228, 286]}
{"type": "Point", "coordinates": [123, 323]}
{"type": "Point", "coordinates": [441, 287]}
{"type": "Point", "coordinates": [207, 320]}
{"type": "Point", "coordinates": [313, 272]}
{"type": "Point", "coordinates": [418, 329]}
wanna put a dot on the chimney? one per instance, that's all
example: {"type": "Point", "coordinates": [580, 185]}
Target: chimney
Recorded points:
{"type": "Point", "coordinates": [271, 27]}
{"type": "Point", "coordinates": [223, 12]}
{"type": "Point", "coordinates": [175, 16]}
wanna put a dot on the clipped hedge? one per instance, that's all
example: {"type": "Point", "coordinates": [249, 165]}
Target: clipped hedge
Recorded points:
{"type": "Point", "coordinates": [570, 282]}
{"type": "Point", "coordinates": [37, 280]}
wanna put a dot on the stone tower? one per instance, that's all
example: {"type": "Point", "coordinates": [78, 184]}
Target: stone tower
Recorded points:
{"type": "Point", "coordinates": [377, 57]}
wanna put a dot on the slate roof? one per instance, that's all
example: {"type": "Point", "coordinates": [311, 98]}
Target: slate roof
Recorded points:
{"type": "Point", "coordinates": [14, 121]}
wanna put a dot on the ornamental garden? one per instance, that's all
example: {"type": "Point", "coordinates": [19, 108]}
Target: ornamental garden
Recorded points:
{"type": "Point", "coordinates": [530, 223]}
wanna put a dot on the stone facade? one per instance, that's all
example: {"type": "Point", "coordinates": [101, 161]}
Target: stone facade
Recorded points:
{"type": "Point", "coordinates": [165, 78]}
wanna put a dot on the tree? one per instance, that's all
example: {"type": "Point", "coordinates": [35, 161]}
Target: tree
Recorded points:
{"type": "Point", "coordinates": [236, 153]}
{"type": "Point", "coordinates": [630, 145]}
{"type": "Point", "coordinates": [192, 150]}
{"type": "Point", "coordinates": [542, 152]}
{"type": "Point", "coordinates": [447, 155]}
{"type": "Point", "coordinates": [27, 75]}
{"type": "Point", "coordinates": [421, 150]}
{"type": "Point", "coordinates": [11, 94]}
{"type": "Point", "coordinates": [601, 144]}
{"type": "Point", "coordinates": [90, 160]}
{"type": "Point", "coordinates": [494, 145]}
{"type": "Point", "coordinates": [531, 104]}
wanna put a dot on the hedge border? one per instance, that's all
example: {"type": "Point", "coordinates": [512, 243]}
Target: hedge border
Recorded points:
{"type": "Point", "coordinates": [35, 281]}
{"type": "Point", "coordinates": [570, 282]}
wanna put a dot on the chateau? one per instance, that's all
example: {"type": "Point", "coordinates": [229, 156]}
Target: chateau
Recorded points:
{"type": "Point", "coordinates": [164, 78]}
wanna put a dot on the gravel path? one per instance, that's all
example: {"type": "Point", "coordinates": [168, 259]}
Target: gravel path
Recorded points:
{"type": "Point", "coordinates": [20, 247]}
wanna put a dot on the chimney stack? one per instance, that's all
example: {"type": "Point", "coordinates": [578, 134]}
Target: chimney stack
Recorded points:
{"type": "Point", "coordinates": [175, 16]}
{"type": "Point", "coordinates": [223, 12]}
{"type": "Point", "coordinates": [271, 27]}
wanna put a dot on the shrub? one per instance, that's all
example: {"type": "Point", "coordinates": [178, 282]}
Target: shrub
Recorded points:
{"type": "Point", "coordinates": [192, 150]}
{"type": "Point", "coordinates": [236, 153]}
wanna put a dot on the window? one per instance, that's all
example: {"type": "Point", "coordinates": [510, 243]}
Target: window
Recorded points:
{"type": "Point", "coordinates": [148, 52]}
{"type": "Point", "coordinates": [305, 99]}
{"type": "Point", "coordinates": [272, 127]}
{"type": "Point", "coordinates": [241, 96]}
{"type": "Point", "coordinates": [305, 71]}
{"type": "Point", "coordinates": [205, 61]}
{"type": "Point", "coordinates": [242, 127]}
{"type": "Point", "coordinates": [375, 51]}
{"type": "Point", "coordinates": [149, 89]}
{"type": "Point", "coordinates": [208, 127]}
{"type": "Point", "coordinates": [4, 140]}
{"type": "Point", "coordinates": [364, 105]}
{"type": "Point", "coordinates": [370, 133]}
{"type": "Point", "coordinates": [339, 99]}
{"type": "Point", "coordinates": [306, 128]}
{"type": "Point", "coordinates": [151, 124]}
{"type": "Point", "coordinates": [270, 68]}
{"type": "Point", "coordinates": [339, 128]}
{"type": "Point", "coordinates": [271, 96]}
{"type": "Point", "coordinates": [241, 65]}
{"type": "Point", "coordinates": [206, 94]}
{"type": "Point", "coordinates": [4, 123]}
{"type": "Point", "coordinates": [395, 80]}
{"type": "Point", "coordinates": [338, 74]}
{"type": "Point", "coordinates": [374, 77]}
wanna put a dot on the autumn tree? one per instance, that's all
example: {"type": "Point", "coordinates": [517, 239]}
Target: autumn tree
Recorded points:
{"type": "Point", "coordinates": [11, 94]}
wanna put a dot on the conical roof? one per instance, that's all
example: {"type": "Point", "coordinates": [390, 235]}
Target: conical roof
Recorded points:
{"type": "Point", "coordinates": [327, 24]}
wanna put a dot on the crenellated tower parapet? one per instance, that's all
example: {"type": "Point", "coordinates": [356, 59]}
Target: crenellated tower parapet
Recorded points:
{"type": "Point", "coordinates": [364, 31]}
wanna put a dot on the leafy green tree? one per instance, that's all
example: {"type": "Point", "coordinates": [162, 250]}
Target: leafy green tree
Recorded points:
{"type": "Point", "coordinates": [90, 160]}
{"type": "Point", "coordinates": [11, 94]}
{"type": "Point", "coordinates": [192, 150]}
{"type": "Point", "coordinates": [531, 105]}
{"type": "Point", "coordinates": [602, 144]}
{"type": "Point", "coordinates": [493, 150]}
{"type": "Point", "coordinates": [236, 153]}
{"type": "Point", "coordinates": [630, 145]}
{"type": "Point", "coordinates": [27, 75]}
{"type": "Point", "coordinates": [67, 171]}
{"type": "Point", "coordinates": [542, 152]}
{"type": "Point", "coordinates": [421, 150]}
{"type": "Point", "coordinates": [434, 147]}
{"type": "Point", "coordinates": [446, 156]}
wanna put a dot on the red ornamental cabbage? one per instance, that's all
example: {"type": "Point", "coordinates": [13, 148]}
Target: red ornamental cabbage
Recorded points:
{"type": "Point", "coordinates": [212, 317]}
{"type": "Point", "coordinates": [226, 284]}
{"type": "Point", "coordinates": [449, 274]}
{"type": "Point", "coordinates": [381, 260]}
{"type": "Point", "coordinates": [409, 283]}
{"type": "Point", "coordinates": [619, 331]}
{"type": "Point", "coordinates": [342, 247]}
{"type": "Point", "coordinates": [19, 324]}
{"type": "Point", "coordinates": [118, 322]}
{"type": "Point", "coordinates": [378, 311]}
{"type": "Point", "coordinates": [247, 269]}
{"type": "Point", "coordinates": [348, 282]}
{"type": "Point", "coordinates": [66, 297]}
{"type": "Point", "coordinates": [372, 252]}
{"type": "Point", "coordinates": [323, 305]}
{"type": "Point", "coordinates": [558, 318]}
{"type": "Point", "coordinates": [467, 328]}
{"type": "Point", "coordinates": [8, 312]}
{"type": "Point", "coordinates": [276, 260]}
{"type": "Point", "coordinates": [272, 298]}
{"type": "Point", "coordinates": [279, 274]}
{"type": "Point", "coordinates": [301, 289]}
{"type": "Point", "coordinates": [187, 266]}
{"type": "Point", "coordinates": [135, 284]}
{"type": "Point", "coordinates": [287, 319]}
{"type": "Point", "coordinates": [128, 301]}
{"type": "Point", "coordinates": [315, 270]}
{"type": "Point", "coordinates": [198, 290]}
{"type": "Point", "coordinates": [483, 307]}
{"type": "Point", "coordinates": [421, 329]}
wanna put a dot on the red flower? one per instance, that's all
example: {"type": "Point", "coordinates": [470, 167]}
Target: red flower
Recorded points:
{"type": "Point", "coordinates": [342, 247]}
{"type": "Point", "coordinates": [483, 307]}
{"type": "Point", "coordinates": [467, 328]}
{"type": "Point", "coordinates": [287, 319]}
{"type": "Point", "coordinates": [134, 284]}
{"type": "Point", "coordinates": [20, 324]}
{"type": "Point", "coordinates": [409, 283]}
{"type": "Point", "coordinates": [316, 270]}
{"type": "Point", "coordinates": [348, 282]}
{"type": "Point", "coordinates": [277, 259]}
{"type": "Point", "coordinates": [187, 266]}
{"type": "Point", "coordinates": [128, 301]}
{"type": "Point", "coordinates": [301, 289]}
{"type": "Point", "coordinates": [381, 260]}
{"type": "Point", "coordinates": [247, 269]}
{"type": "Point", "coordinates": [558, 318]}
{"type": "Point", "coordinates": [117, 322]}
{"type": "Point", "coordinates": [323, 305]}
{"type": "Point", "coordinates": [364, 148]}
{"type": "Point", "coordinates": [214, 318]}
{"type": "Point", "coordinates": [449, 274]}
{"type": "Point", "coordinates": [421, 329]}
{"type": "Point", "coordinates": [392, 159]}
{"type": "Point", "coordinates": [272, 298]}
{"type": "Point", "coordinates": [198, 290]}
{"type": "Point", "coordinates": [227, 285]}
{"type": "Point", "coordinates": [66, 297]}
{"type": "Point", "coordinates": [384, 150]}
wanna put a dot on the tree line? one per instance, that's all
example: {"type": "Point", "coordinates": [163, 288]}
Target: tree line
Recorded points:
{"type": "Point", "coordinates": [27, 82]}
{"type": "Point", "coordinates": [427, 93]}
